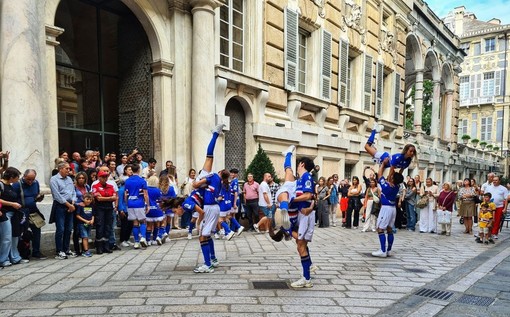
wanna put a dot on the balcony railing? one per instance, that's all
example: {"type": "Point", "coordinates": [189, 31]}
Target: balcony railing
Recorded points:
{"type": "Point", "coordinates": [477, 101]}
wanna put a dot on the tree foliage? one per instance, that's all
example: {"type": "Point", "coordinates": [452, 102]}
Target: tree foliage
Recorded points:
{"type": "Point", "coordinates": [428, 92]}
{"type": "Point", "coordinates": [261, 164]}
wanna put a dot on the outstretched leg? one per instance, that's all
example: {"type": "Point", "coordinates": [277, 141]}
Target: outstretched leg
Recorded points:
{"type": "Point", "coordinates": [371, 139]}
{"type": "Point", "coordinates": [209, 159]}
{"type": "Point", "coordinates": [284, 196]}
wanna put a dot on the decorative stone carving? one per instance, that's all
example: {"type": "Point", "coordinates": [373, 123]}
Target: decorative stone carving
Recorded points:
{"type": "Point", "coordinates": [352, 19]}
{"type": "Point", "coordinates": [386, 43]}
{"type": "Point", "coordinates": [321, 5]}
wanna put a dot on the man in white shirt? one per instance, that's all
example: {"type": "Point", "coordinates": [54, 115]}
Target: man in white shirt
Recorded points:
{"type": "Point", "coordinates": [265, 203]}
{"type": "Point", "coordinates": [490, 179]}
{"type": "Point", "coordinates": [150, 169]}
{"type": "Point", "coordinates": [499, 197]}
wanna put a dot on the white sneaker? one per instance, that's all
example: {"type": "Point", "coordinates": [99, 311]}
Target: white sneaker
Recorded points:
{"type": "Point", "coordinates": [256, 227]}
{"type": "Point", "coordinates": [302, 283]}
{"type": "Point", "coordinates": [149, 243]}
{"type": "Point", "coordinates": [218, 129]}
{"type": "Point", "coordinates": [230, 235]}
{"type": "Point", "coordinates": [285, 219]}
{"type": "Point", "coordinates": [313, 268]}
{"type": "Point", "coordinates": [215, 263]}
{"type": "Point", "coordinates": [125, 244]}
{"type": "Point", "coordinates": [495, 236]}
{"type": "Point", "coordinates": [216, 236]}
{"type": "Point", "coordinates": [130, 243]}
{"type": "Point", "coordinates": [334, 225]}
{"type": "Point", "coordinates": [136, 245]}
{"type": "Point", "coordinates": [379, 254]}
{"type": "Point", "coordinates": [143, 242]}
{"type": "Point", "coordinates": [190, 236]}
{"type": "Point", "coordinates": [388, 253]}
{"type": "Point", "coordinates": [159, 241]}
{"type": "Point", "coordinates": [163, 238]}
{"type": "Point", "coordinates": [290, 149]}
{"type": "Point", "coordinates": [222, 232]}
{"type": "Point", "coordinates": [240, 230]}
{"type": "Point", "coordinates": [204, 269]}
{"type": "Point", "coordinates": [378, 128]}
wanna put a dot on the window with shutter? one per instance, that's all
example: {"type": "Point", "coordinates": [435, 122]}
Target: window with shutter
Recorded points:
{"type": "Point", "coordinates": [343, 67]}
{"type": "Point", "coordinates": [326, 65]}
{"type": "Point", "coordinates": [291, 48]}
{"type": "Point", "coordinates": [478, 90]}
{"type": "Point", "coordinates": [396, 102]}
{"type": "Point", "coordinates": [464, 87]}
{"type": "Point", "coordinates": [367, 84]}
{"type": "Point", "coordinates": [232, 34]}
{"type": "Point", "coordinates": [472, 80]}
{"type": "Point", "coordinates": [379, 89]}
{"type": "Point", "coordinates": [474, 125]}
{"type": "Point", "coordinates": [488, 84]}
{"type": "Point", "coordinates": [497, 83]}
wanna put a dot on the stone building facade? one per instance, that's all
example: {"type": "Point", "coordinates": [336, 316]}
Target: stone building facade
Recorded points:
{"type": "Point", "coordinates": [484, 104]}
{"type": "Point", "coordinates": [158, 75]}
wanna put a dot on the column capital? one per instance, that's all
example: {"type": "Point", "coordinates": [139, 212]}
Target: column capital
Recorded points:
{"type": "Point", "coordinates": [205, 5]}
{"type": "Point", "coordinates": [449, 92]}
{"type": "Point", "coordinates": [52, 32]}
{"type": "Point", "coordinates": [162, 68]}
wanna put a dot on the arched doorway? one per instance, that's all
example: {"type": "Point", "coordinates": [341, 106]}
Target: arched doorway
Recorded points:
{"type": "Point", "coordinates": [235, 139]}
{"type": "Point", "coordinates": [103, 78]}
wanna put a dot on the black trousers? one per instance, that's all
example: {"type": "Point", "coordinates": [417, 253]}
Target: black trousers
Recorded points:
{"type": "Point", "coordinates": [126, 227]}
{"type": "Point", "coordinates": [103, 221]}
{"type": "Point", "coordinates": [353, 207]}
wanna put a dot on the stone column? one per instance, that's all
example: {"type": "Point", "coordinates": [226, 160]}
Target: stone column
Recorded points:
{"type": "Point", "coordinates": [203, 114]}
{"type": "Point", "coordinates": [436, 98]}
{"type": "Point", "coordinates": [418, 101]}
{"type": "Point", "coordinates": [50, 110]}
{"type": "Point", "coordinates": [448, 118]}
{"type": "Point", "coordinates": [164, 112]}
{"type": "Point", "coordinates": [23, 85]}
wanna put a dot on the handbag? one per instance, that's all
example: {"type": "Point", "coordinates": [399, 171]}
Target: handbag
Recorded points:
{"type": "Point", "coordinates": [422, 202]}
{"type": "Point", "coordinates": [375, 198]}
{"type": "Point", "coordinates": [376, 207]}
{"type": "Point", "coordinates": [444, 217]}
{"type": "Point", "coordinates": [36, 220]}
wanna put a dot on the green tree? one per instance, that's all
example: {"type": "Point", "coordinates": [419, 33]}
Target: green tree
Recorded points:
{"type": "Point", "coordinates": [428, 89]}
{"type": "Point", "coordinates": [261, 164]}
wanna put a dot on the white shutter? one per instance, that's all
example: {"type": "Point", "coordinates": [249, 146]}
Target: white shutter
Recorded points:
{"type": "Point", "coordinates": [396, 100]}
{"type": "Point", "coordinates": [343, 66]}
{"type": "Point", "coordinates": [367, 83]}
{"type": "Point", "coordinates": [326, 65]}
{"type": "Point", "coordinates": [497, 83]}
{"type": "Point", "coordinates": [291, 48]}
{"type": "Point", "coordinates": [379, 80]}
{"type": "Point", "coordinates": [472, 83]}
{"type": "Point", "coordinates": [478, 89]}
{"type": "Point", "coordinates": [501, 91]}
{"type": "Point", "coordinates": [484, 129]}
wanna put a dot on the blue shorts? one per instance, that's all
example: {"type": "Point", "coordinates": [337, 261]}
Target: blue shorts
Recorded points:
{"type": "Point", "coordinates": [84, 230]}
{"type": "Point", "coordinates": [267, 211]}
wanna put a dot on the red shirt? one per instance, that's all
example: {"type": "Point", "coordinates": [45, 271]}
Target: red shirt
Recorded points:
{"type": "Point", "coordinates": [104, 191]}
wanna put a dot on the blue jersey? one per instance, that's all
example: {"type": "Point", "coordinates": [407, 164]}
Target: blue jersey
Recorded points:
{"type": "Point", "coordinates": [304, 185]}
{"type": "Point", "coordinates": [122, 201]}
{"type": "Point", "coordinates": [134, 187]}
{"type": "Point", "coordinates": [212, 191]}
{"type": "Point", "coordinates": [170, 193]}
{"type": "Point", "coordinates": [234, 189]}
{"type": "Point", "coordinates": [399, 161]}
{"type": "Point", "coordinates": [388, 193]}
{"type": "Point", "coordinates": [226, 202]}
{"type": "Point", "coordinates": [195, 198]}
{"type": "Point", "coordinates": [154, 195]}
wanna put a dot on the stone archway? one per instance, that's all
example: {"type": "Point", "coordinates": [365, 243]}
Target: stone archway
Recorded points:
{"type": "Point", "coordinates": [413, 78]}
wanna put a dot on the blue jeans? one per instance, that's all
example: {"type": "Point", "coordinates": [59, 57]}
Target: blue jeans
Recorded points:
{"type": "Point", "coordinates": [411, 216]}
{"type": "Point", "coordinates": [5, 241]}
{"type": "Point", "coordinates": [63, 227]}
{"type": "Point", "coordinates": [14, 253]}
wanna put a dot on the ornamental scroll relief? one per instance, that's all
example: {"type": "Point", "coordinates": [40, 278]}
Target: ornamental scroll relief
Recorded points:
{"type": "Point", "coordinates": [352, 19]}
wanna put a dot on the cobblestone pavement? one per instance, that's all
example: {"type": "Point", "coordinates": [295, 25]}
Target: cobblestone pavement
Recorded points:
{"type": "Point", "coordinates": [349, 282]}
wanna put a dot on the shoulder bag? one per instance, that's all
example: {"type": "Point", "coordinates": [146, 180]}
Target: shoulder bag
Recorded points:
{"type": "Point", "coordinates": [36, 219]}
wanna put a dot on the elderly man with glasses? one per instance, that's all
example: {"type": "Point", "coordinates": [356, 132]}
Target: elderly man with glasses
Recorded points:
{"type": "Point", "coordinates": [62, 212]}
{"type": "Point", "coordinates": [28, 190]}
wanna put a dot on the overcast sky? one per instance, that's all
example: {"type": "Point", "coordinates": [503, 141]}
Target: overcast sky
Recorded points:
{"type": "Point", "coordinates": [483, 9]}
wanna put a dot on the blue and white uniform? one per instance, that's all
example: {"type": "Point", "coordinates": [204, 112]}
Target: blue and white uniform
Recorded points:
{"type": "Point", "coordinates": [169, 194]}
{"type": "Point", "coordinates": [234, 188]}
{"type": "Point", "coordinates": [388, 200]}
{"type": "Point", "coordinates": [397, 160]}
{"type": "Point", "coordinates": [226, 201]}
{"type": "Point", "coordinates": [304, 223]}
{"type": "Point", "coordinates": [211, 207]}
{"type": "Point", "coordinates": [155, 213]}
{"type": "Point", "coordinates": [135, 201]}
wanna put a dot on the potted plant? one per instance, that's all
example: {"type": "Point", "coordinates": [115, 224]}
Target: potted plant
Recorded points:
{"type": "Point", "coordinates": [474, 142]}
{"type": "Point", "coordinates": [483, 144]}
{"type": "Point", "coordinates": [489, 147]}
{"type": "Point", "coordinates": [495, 149]}
{"type": "Point", "coordinates": [465, 138]}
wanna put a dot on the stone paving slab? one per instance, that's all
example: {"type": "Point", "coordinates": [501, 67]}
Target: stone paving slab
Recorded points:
{"type": "Point", "coordinates": [159, 281]}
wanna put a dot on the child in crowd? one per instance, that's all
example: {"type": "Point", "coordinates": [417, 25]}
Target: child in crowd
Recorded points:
{"type": "Point", "coordinates": [85, 218]}
{"type": "Point", "coordinates": [487, 209]}
{"type": "Point", "coordinates": [155, 216]}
